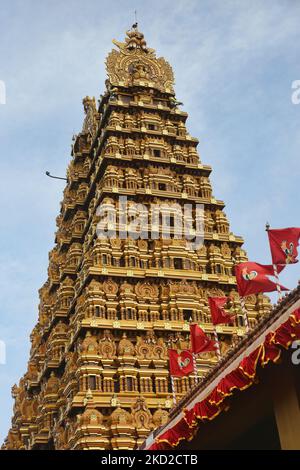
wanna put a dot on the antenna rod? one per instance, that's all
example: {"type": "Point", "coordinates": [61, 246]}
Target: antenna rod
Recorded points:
{"type": "Point", "coordinates": [135, 25]}
{"type": "Point", "coordinates": [55, 177]}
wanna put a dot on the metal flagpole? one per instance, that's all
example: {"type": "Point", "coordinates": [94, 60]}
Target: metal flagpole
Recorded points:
{"type": "Point", "coordinates": [195, 367]}
{"type": "Point", "coordinates": [275, 271]}
{"type": "Point", "coordinates": [245, 313]}
{"type": "Point", "coordinates": [173, 390]}
{"type": "Point", "coordinates": [217, 344]}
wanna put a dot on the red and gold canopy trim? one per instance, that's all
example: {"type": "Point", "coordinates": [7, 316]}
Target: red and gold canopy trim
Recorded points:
{"type": "Point", "coordinates": [239, 379]}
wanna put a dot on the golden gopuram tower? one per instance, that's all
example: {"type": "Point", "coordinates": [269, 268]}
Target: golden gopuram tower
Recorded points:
{"type": "Point", "coordinates": [98, 374]}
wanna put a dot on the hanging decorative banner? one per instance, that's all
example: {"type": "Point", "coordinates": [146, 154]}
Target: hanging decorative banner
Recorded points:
{"type": "Point", "coordinates": [283, 245]}
{"type": "Point", "coordinates": [252, 278]}
{"type": "Point", "coordinates": [181, 364]}
{"type": "Point", "coordinates": [217, 311]}
{"type": "Point", "coordinates": [199, 341]}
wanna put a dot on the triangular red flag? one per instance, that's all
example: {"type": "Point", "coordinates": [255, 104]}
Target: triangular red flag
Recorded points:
{"type": "Point", "coordinates": [218, 314]}
{"type": "Point", "coordinates": [199, 341]}
{"type": "Point", "coordinates": [181, 364]}
{"type": "Point", "coordinates": [283, 245]}
{"type": "Point", "coordinates": [252, 278]}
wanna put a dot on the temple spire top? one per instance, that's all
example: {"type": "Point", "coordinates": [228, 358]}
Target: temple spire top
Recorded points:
{"type": "Point", "coordinates": [135, 39]}
{"type": "Point", "coordinates": [135, 25]}
{"type": "Point", "coordinates": [134, 63]}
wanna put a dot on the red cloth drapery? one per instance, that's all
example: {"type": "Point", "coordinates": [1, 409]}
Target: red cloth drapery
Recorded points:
{"type": "Point", "coordinates": [239, 379]}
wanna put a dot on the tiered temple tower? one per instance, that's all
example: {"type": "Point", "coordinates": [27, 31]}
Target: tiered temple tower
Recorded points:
{"type": "Point", "coordinates": [98, 375]}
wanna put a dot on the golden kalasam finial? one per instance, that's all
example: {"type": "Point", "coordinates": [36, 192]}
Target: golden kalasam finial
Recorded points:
{"type": "Point", "coordinates": [135, 39]}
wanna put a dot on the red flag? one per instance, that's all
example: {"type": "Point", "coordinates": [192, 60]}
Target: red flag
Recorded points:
{"type": "Point", "coordinates": [181, 364]}
{"type": "Point", "coordinates": [217, 311]}
{"type": "Point", "coordinates": [283, 244]}
{"type": "Point", "coordinates": [199, 341]}
{"type": "Point", "coordinates": [252, 278]}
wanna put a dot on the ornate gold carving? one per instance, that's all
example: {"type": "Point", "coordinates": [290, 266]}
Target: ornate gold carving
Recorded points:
{"type": "Point", "coordinates": [146, 290]}
{"type": "Point", "coordinates": [107, 345]}
{"type": "Point", "coordinates": [90, 121]}
{"type": "Point", "coordinates": [120, 416]}
{"type": "Point", "coordinates": [141, 415]}
{"type": "Point", "coordinates": [160, 417]}
{"type": "Point", "coordinates": [126, 348]}
{"type": "Point", "coordinates": [110, 287]}
{"type": "Point", "coordinates": [135, 62]}
{"type": "Point", "coordinates": [89, 344]}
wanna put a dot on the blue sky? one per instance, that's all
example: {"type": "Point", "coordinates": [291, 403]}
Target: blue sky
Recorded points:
{"type": "Point", "coordinates": [234, 64]}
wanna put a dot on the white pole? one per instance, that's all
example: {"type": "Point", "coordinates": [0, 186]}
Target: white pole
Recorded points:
{"type": "Point", "coordinates": [277, 282]}
{"type": "Point", "coordinates": [195, 368]}
{"type": "Point", "coordinates": [217, 344]}
{"type": "Point", "coordinates": [173, 390]}
{"type": "Point", "coordinates": [275, 270]}
{"type": "Point", "coordinates": [245, 313]}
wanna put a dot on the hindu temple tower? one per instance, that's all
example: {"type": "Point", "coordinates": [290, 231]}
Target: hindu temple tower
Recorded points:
{"type": "Point", "coordinates": [97, 374]}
